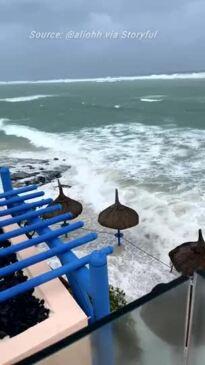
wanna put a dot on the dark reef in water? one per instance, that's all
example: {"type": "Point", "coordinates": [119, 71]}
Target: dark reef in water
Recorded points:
{"type": "Point", "coordinates": [34, 171]}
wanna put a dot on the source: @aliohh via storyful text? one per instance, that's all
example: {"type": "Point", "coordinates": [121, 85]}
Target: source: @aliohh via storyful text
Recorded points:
{"type": "Point", "coordinates": [95, 35]}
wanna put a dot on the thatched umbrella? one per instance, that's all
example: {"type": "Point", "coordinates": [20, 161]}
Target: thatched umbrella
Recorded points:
{"type": "Point", "coordinates": [118, 216]}
{"type": "Point", "coordinates": [189, 257]}
{"type": "Point", "coordinates": [68, 205]}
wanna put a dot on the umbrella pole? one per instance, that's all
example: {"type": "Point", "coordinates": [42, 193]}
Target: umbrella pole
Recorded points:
{"type": "Point", "coordinates": [64, 224]}
{"type": "Point", "coordinates": [119, 235]}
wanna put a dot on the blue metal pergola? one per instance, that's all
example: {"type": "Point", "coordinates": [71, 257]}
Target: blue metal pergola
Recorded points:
{"type": "Point", "coordinates": [87, 276]}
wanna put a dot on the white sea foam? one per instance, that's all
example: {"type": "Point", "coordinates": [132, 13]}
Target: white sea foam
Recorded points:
{"type": "Point", "coordinates": [152, 98]}
{"type": "Point", "coordinates": [158, 170]}
{"type": "Point", "coordinates": [149, 100]}
{"type": "Point", "coordinates": [20, 99]}
{"type": "Point", "coordinates": [193, 75]}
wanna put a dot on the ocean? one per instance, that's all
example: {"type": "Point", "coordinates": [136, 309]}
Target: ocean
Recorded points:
{"type": "Point", "coordinates": [142, 135]}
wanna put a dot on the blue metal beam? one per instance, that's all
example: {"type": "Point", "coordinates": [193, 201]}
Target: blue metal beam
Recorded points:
{"type": "Point", "coordinates": [18, 191]}
{"type": "Point", "coordinates": [45, 237]}
{"type": "Point", "coordinates": [19, 199]}
{"type": "Point", "coordinates": [79, 280]}
{"type": "Point", "coordinates": [43, 278]}
{"type": "Point", "coordinates": [25, 207]}
{"type": "Point", "coordinates": [29, 215]}
{"type": "Point", "coordinates": [34, 227]}
{"type": "Point", "coordinates": [20, 265]}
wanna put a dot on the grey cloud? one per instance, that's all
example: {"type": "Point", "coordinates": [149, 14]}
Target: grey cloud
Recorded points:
{"type": "Point", "coordinates": [178, 47]}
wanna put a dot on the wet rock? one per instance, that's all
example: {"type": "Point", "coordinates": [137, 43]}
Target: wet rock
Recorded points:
{"type": "Point", "coordinates": [54, 174]}
{"type": "Point", "coordinates": [20, 175]}
{"type": "Point", "coordinates": [41, 180]}
{"type": "Point", "coordinates": [34, 171]}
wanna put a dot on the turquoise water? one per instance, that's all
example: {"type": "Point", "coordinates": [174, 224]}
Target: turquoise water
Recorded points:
{"type": "Point", "coordinates": [145, 137]}
{"type": "Point", "coordinates": [72, 106]}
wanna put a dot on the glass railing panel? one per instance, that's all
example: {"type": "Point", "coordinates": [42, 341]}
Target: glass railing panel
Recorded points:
{"type": "Point", "coordinates": [152, 334]}
{"type": "Point", "coordinates": [196, 353]}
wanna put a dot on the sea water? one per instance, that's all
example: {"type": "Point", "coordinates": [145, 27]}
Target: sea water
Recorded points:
{"type": "Point", "coordinates": [142, 135]}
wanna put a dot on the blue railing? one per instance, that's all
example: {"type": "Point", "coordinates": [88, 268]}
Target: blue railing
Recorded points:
{"type": "Point", "coordinates": [87, 276]}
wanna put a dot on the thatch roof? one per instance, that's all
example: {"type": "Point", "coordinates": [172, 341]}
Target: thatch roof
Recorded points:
{"type": "Point", "coordinates": [68, 205]}
{"type": "Point", "coordinates": [118, 216]}
{"type": "Point", "coordinates": [189, 256]}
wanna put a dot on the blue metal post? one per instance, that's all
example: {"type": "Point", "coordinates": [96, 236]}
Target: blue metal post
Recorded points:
{"type": "Point", "coordinates": [99, 284]}
{"type": "Point", "coordinates": [6, 179]}
{"type": "Point", "coordinates": [102, 341]}
{"type": "Point", "coordinates": [79, 280]}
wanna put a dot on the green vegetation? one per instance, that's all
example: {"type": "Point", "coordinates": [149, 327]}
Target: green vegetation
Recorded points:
{"type": "Point", "coordinates": [117, 298]}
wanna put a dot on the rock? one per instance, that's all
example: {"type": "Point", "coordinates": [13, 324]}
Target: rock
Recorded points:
{"type": "Point", "coordinates": [36, 172]}
{"type": "Point", "coordinates": [56, 159]}
{"type": "Point", "coordinates": [41, 180]}
{"type": "Point", "coordinates": [53, 174]}
{"type": "Point", "coordinates": [18, 184]}
{"type": "Point", "coordinates": [57, 174]}
{"type": "Point", "coordinates": [22, 175]}
{"type": "Point", "coordinates": [46, 178]}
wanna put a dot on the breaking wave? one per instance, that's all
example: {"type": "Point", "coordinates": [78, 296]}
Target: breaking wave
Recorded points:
{"type": "Point", "coordinates": [148, 100]}
{"type": "Point", "coordinates": [158, 170]}
{"type": "Point", "coordinates": [193, 75]}
{"type": "Point", "coordinates": [25, 98]}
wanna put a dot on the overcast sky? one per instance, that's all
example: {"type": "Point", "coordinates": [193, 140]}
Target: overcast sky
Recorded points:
{"type": "Point", "coordinates": [179, 44]}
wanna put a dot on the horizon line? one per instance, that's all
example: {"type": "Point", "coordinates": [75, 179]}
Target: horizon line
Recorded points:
{"type": "Point", "coordinates": [164, 76]}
